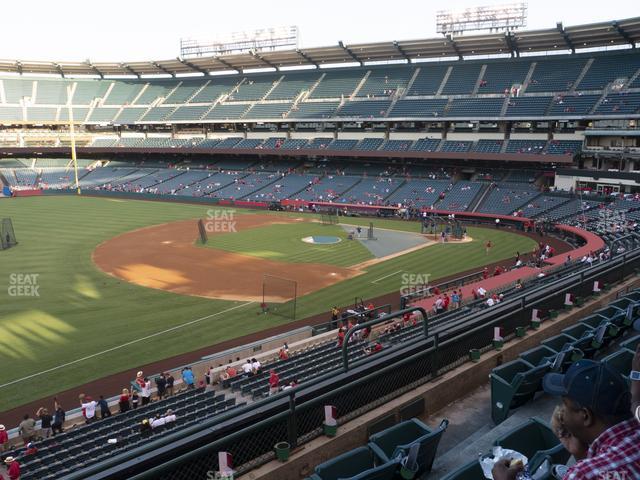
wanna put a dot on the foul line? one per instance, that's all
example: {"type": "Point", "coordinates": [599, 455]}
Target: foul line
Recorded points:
{"type": "Point", "coordinates": [378, 279]}
{"type": "Point", "coordinates": [177, 327]}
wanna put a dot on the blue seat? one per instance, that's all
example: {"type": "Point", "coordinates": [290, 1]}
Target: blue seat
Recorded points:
{"type": "Point", "coordinates": [396, 441]}
{"type": "Point", "coordinates": [357, 464]}
{"type": "Point", "coordinates": [470, 471]}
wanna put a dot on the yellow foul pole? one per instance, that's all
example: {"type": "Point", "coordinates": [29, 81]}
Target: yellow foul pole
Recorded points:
{"type": "Point", "coordinates": [73, 139]}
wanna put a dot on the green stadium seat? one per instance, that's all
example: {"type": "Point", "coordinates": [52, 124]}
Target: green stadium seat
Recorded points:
{"type": "Point", "coordinates": [632, 343]}
{"type": "Point", "coordinates": [470, 471]}
{"type": "Point", "coordinates": [397, 440]}
{"type": "Point", "coordinates": [512, 385]}
{"type": "Point", "coordinates": [621, 361]}
{"type": "Point", "coordinates": [539, 355]}
{"type": "Point", "coordinates": [534, 439]}
{"type": "Point", "coordinates": [357, 464]}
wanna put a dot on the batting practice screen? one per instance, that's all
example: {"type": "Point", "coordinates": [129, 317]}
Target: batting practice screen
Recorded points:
{"type": "Point", "coordinates": [7, 235]}
{"type": "Point", "coordinates": [279, 296]}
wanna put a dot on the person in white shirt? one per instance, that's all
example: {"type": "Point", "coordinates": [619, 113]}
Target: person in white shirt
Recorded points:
{"type": "Point", "coordinates": [490, 302]}
{"type": "Point", "coordinates": [247, 368]}
{"type": "Point", "coordinates": [145, 391]}
{"type": "Point", "coordinates": [158, 421]}
{"type": "Point", "coordinates": [169, 417]}
{"type": "Point", "coordinates": [255, 365]}
{"type": "Point", "coordinates": [89, 408]}
{"type": "Point", "coordinates": [482, 292]}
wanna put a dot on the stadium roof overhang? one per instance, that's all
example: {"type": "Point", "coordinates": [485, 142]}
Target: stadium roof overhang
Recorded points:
{"type": "Point", "coordinates": [561, 38]}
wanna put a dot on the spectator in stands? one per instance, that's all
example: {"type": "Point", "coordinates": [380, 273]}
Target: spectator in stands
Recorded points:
{"type": "Point", "coordinates": [140, 380]}
{"type": "Point", "coordinates": [292, 384]}
{"type": "Point", "coordinates": [27, 429]}
{"type": "Point", "coordinates": [145, 392]}
{"type": "Point", "coordinates": [169, 417]}
{"type": "Point", "coordinates": [256, 366]}
{"type": "Point", "coordinates": [135, 400]}
{"type": "Point", "coordinates": [335, 312]}
{"type": "Point", "coordinates": [88, 408]}
{"type": "Point", "coordinates": [104, 408]}
{"type": "Point", "coordinates": [4, 439]}
{"type": "Point", "coordinates": [247, 369]}
{"type": "Point", "coordinates": [158, 421]}
{"type": "Point", "coordinates": [161, 386]}
{"type": "Point", "coordinates": [282, 354]}
{"type": "Point", "coordinates": [124, 402]}
{"type": "Point", "coordinates": [145, 427]}
{"type": "Point", "coordinates": [274, 382]}
{"type": "Point", "coordinates": [170, 381]}
{"type": "Point", "coordinates": [59, 417]}
{"type": "Point", "coordinates": [455, 299]}
{"type": "Point", "coordinates": [597, 404]}
{"type": "Point", "coordinates": [518, 285]}
{"type": "Point", "coordinates": [13, 468]}
{"type": "Point", "coordinates": [485, 273]}
{"type": "Point", "coordinates": [30, 450]}
{"type": "Point", "coordinates": [207, 375]}
{"type": "Point", "coordinates": [481, 292]}
{"type": "Point", "coordinates": [375, 348]}
{"type": "Point", "coordinates": [187, 378]}
{"type": "Point", "coordinates": [635, 384]}
{"type": "Point", "coordinates": [340, 336]}
{"type": "Point", "coordinates": [571, 443]}
{"type": "Point", "coordinates": [45, 419]}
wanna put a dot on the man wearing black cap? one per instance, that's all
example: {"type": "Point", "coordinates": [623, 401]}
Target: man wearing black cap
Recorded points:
{"type": "Point", "coordinates": [597, 404]}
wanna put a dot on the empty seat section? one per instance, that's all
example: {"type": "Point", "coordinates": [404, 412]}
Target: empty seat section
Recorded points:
{"type": "Point", "coordinates": [620, 103]}
{"type": "Point", "coordinates": [563, 147]}
{"type": "Point", "coordinates": [385, 81]}
{"type": "Point", "coordinates": [88, 90]}
{"type": "Point", "coordinates": [573, 105]}
{"type": "Point", "coordinates": [253, 88]}
{"type": "Point", "coordinates": [475, 107]}
{"type": "Point", "coordinates": [327, 188]}
{"type": "Point", "coordinates": [504, 198]}
{"type": "Point", "coordinates": [102, 115]}
{"type": "Point", "coordinates": [269, 110]}
{"type": "Point", "coordinates": [17, 89]}
{"type": "Point", "coordinates": [369, 144]}
{"type": "Point", "coordinates": [371, 191]}
{"type": "Point", "coordinates": [155, 91]}
{"type": "Point", "coordinates": [460, 196]}
{"type": "Point", "coordinates": [527, 106]}
{"type": "Point", "coordinates": [397, 145]}
{"type": "Point", "coordinates": [313, 110]}
{"type": "Point", "coordinates": [188, 113]}
{"type": "Point", "coordinates": [526, 146]}
{"type": "Point", "coordinates": [342, 144]}
{"type": "Point", "coordinates": [462, 79]}
{"type": "Point", "coordinates": [556, 75]}
{"type": "Point", "coordinates": [227, 111]}
{"type": "Point", "coordinates": [428, 79]}
{"type": "Point", "coordinates": [426, 145]}
{"type": "Point", "coordinates": [52, 92]}
{"type": "Point", "coordinates": [184, 91]}
{"type": "Point", "coordinates": [285, 187]}
{"type": "Point", "coordinates": [418, 193]}
{"type": "Point", "coordinates": [419, 108]}
{"type": "Point", "coordinates": [79, 114]}
{"type": "Point", "coordinates": [157, 114]}
{"type": "Point", "coordinates": [500, 76]}
{"type": "Point", "coordinates": [456, 146]}
{"type": "Point", "coordinates": [123, 92]}
{"type": "Point", "coordinates": [292, 85]}
{"type": "Point", "coordinates": [607, 68]}
{"type": "Point", "coordinates": [214, 89]}
{"type": "Point", "coordinates": [319, 143]}
{"type": "Point", "coordinates": [130, 115]}
{"type": "Point", "coordinates": [41, 114]}
{"type": "Point", "coordinates": [338, 84]}
{"type": "Point", "coordinates": [488, 146]}
{"type": "Point", "coordinates": [365, 109]}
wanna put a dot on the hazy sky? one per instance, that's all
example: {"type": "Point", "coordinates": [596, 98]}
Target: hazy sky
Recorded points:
{"type": "Point", "coordinates": [74, 30]}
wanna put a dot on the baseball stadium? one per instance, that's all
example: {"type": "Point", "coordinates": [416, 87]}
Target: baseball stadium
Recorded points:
{"type": "Point", "coordinates": [406, 259]}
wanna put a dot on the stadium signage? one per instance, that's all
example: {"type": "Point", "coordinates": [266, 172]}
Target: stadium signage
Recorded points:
{"type": "Point", "coordinates": [23, 285]}
{"type": "Point", "coordinates": [220, 221]}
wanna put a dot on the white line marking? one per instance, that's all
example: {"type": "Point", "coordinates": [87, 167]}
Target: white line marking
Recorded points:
{"type": "Point", "coordinates": [374, 281]}
{"type": "Point", "coordinates": [177, 327]}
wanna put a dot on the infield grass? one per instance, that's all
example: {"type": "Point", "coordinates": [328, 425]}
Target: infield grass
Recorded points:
{"type": "Point", "coordinates": [81, 312]}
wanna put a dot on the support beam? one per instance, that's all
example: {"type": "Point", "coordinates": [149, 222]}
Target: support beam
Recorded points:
{"type": "Point", "coordinates": [228, 65]}
{"type": "Point", "coordinates": [623, 34]}
{"type": "Point", "coordinates": [255, 54]}
{"type": "Point", "coordinates": [130, 70]}
{"type": "Point", "coordinates": [307, 58]}
{"type": "Point", "coordinates": [454, 45]}
{"type": "Point", "coordinates": [350, 53]}
{"type": "Point", "coordinates": [95, 70]}
{"type": "Point", "coordinates": [512, 43]}
{"type": "Point", "coordinates": [59, 69]}
{"type": "Point", "coordinates": [566, 38]}
{"type": "Point", "coordinates": [401, 51]}
{"type": "Point", "coordinates": [160, 67]}
{"type": "Point", "coordinates": [192, 66]}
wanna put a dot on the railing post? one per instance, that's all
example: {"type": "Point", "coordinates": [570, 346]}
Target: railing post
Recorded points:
{"type": "Point", "coordinates": [292, 422]}
{"type": "Point", "coordinates": [435, 366]}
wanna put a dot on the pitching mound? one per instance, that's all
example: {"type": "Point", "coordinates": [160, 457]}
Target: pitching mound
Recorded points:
{"type": "Point", "coordinates": [165, 257]}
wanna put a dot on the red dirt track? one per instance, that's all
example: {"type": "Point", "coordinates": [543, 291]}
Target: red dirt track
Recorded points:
{"type": "Point", "coordinates": [165, 257]}
{"type": "Point", "coordinates": [111, 385]}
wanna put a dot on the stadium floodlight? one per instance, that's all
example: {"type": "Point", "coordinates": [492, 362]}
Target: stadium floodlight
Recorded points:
{"type": "Point", "coordinates": [264, 39]}
{"type": "Point", "coordinates": [508, 16]}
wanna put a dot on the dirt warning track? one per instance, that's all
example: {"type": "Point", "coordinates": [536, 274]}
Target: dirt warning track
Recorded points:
{"type": "Point", "coordinates": [165, 257]}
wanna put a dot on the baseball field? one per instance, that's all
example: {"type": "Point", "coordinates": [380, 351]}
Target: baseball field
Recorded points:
{"type": "Point", "coordinates": [98, 286]}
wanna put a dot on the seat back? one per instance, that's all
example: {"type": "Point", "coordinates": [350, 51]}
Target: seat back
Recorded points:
{"type": "Point", "coordinates": [470, 471]}
{"type": "Point", "coordinates": [386, 471]}
{"type": "Point", "coordinates": [347, 465]}
{"type": "Point", "coordinates": [428, 448]}
{"type": "Point", "coordinates": [529, 437]}
{"type": "Point", "coordinates": [401, 434]}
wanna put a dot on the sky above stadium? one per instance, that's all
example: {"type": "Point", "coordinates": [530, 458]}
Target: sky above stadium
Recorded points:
{"type": "Point", "coordinates": [118, 30]}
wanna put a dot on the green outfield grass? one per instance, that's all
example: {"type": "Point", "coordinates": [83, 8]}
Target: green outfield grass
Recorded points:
{"type": "Point", "coordinates": [284, 244]}
{"type": "Point", "coordinates": [112, 326]}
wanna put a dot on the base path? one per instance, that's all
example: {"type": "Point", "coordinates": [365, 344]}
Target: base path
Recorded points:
{"type": "Point", "coordinates": [166, 257]}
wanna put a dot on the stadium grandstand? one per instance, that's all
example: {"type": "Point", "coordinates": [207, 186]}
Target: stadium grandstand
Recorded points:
{"type": "Point", "coordinates": [525, 140]}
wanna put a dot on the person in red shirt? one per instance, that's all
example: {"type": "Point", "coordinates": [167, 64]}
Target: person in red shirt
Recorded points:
{"type": "Point", "coordinates": [485, 273]}
{"type": "Point", "coordinates": [282, 354]}
{"type": "Point", "coordinates": [497, 271]}
{"type": "Point", "coordinates": [274, 382]}
{"type": "Point", "coordinates": [340, 337]}
{"type": "Point", "coordinates": [4, 439]}
{"type": "Point", "coordinates": [13, 468]}
{"type": "Point", "coordinates": [446, 300]}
